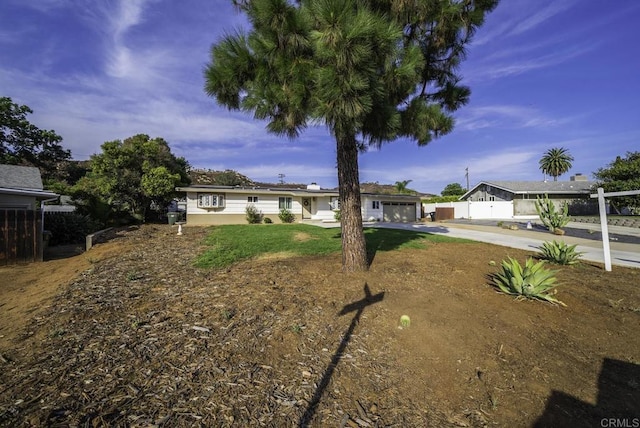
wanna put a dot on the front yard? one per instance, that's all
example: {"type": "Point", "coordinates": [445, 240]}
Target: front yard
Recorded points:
{"type": "Point", "coordinates": [267, 331]}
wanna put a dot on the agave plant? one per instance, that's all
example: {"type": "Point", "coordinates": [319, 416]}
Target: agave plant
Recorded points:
{"type": "Point", "coordinates": [533, 281]}
{"type": "Point", "coordinates": [560, 253]}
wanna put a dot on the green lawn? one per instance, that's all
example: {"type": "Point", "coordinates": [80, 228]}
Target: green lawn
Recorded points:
{"type": "Point", "coordinates": [231, 243]}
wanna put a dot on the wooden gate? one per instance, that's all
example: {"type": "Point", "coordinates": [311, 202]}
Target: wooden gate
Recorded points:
{"type": "Point", "coordinates": [20, 236]}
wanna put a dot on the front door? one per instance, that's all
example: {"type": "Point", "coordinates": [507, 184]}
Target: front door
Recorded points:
{"type": "Point", "coordinates": [306, 208]}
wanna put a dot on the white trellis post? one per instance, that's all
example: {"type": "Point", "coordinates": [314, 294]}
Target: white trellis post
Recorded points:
{"type": "Point", "coordinates": [603, 221]}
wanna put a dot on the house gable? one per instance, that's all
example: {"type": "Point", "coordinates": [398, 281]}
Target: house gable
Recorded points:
{"type": "Point", "coordinates": [510, 190]}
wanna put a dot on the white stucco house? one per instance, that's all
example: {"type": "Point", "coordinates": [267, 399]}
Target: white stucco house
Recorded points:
{"type": "Point", "coordinates": [210, 205]}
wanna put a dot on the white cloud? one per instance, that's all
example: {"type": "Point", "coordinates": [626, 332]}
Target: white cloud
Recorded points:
{"type": "Point", "coordinates": [519, 66]}
{"type": "Point", "coordinates": [297, 173]}
{"type": "Point", "coordinates": [507, 165]}
{"type": "Point", "coordinates": [512, 18]}
{"type": "Point", "coordinates": [122, 63]}
{"type": "Point", "coordinates": [505, 116]}
{"type": "Point", "coordinates": [542, 15]}
{"type": "Point", "coordinates": [43, 6]}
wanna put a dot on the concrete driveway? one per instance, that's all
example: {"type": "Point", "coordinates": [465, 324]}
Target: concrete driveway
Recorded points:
{"type": "Point", "coordinates": [622, 254]}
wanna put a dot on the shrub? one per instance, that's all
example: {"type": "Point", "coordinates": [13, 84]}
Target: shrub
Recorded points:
{"type": "Point", "coordinates": [69, 227]}
{"type": "Point", "coordinates": [559, 253]}
{"type": "Point", "coordinates": [336, 215]}
{"type": "Point", "coordinates": [551, 217]}
{"type": "Point", "coordinates": [254, 216]}
{"type": "Point", "coordinates": [532, 281]}
{"type": "Point", "coordinates": [435, 199]}
{"type": "Point", "coordinates": [286, 216]}
{"type": "Point", "coordinates": [267, 220]}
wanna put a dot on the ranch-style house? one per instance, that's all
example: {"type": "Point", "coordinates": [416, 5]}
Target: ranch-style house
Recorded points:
{"type": "Point", "coordinates": [210, 205]}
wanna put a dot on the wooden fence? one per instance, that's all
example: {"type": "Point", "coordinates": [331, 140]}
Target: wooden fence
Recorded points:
{"type": "Point", "coordinates": [20, 236]}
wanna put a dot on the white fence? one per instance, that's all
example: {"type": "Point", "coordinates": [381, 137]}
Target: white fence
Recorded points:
{"type": "Point", "coordinates": [476, 210]}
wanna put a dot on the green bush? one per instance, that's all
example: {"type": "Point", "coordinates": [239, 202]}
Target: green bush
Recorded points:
{"type": "Point", "coordinates": [69, 228]}
{"type": "Point", "coordinates": [551, 217]}
{"type": "Point", "coordinates": [532, 281]}
{"type": "Point", "coordinates": [254, 216]}
{"type": "Point", "coordinates": [436, 199]}
{"type": "Point", "coordinates": [286, 216]}
{"type": "Point", "coordinates": [267, 220]}
{"type": "Point", "coordinates": [559, 253]}
{"type": "Point", "coordinates": [337, 215]}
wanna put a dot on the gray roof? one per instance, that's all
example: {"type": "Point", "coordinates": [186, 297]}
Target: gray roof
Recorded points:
{"type": "Point", "coordinates": [543, 186]}
{"type": "Point", "coordinates": [537, 187]}
{"type": "Point", "coordinates": [20, 177]}
{"type": "Point", "coordinates": [283, 191]}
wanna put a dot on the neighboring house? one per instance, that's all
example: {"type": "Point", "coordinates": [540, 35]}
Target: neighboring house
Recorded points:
{"type": "Point", "coordinates": [20, 222]}
{"type": "Point", "coordinates": [21, 188]}
{"type": "Point", "coordinates": [208, 204]}
{"type": "Point", "coordinates": [65, 205]}
{"type": "Point", "coordinates": [516, 199]}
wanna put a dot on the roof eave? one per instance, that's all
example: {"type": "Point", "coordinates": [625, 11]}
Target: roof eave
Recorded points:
{"type": "Point", "coordinates": [38, 194]}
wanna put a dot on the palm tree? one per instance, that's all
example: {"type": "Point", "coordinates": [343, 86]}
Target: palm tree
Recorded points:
{"type": "Point", "coordinates": [401, 186]}
{"type": "Point", "coordinates": [371, 72]}
{"type": "Point", "coordinates": [556, 162]}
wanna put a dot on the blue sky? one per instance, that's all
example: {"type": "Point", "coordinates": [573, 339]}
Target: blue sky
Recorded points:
{"type": "Point", "coordinates": [543, 74]}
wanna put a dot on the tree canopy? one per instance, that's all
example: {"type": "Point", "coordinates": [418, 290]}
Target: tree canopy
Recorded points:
{"type": "Point", "coordinates": [556, 162]}
{"type": "Point", "coordinates": [370, 71]}
{"type": "Point", "coordinates": [132, 176]}
{"type": "Point", "coordinates": [22, 143]}
{"type": "Point", "coordinates": [453, 189]}
{"type": "Point", "coordinates": [623, 174]}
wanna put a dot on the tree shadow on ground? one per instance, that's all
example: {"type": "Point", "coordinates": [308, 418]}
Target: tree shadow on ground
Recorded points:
{"type": "Point", "coordinates": [385, 239]}
{"type": "Point", "coordinates": [618, 402]}
{"type": "Point", "coordinates": [60, 252]}
{"type": "Point", "coordinates": [388, 239]}
{"type": "Point", "coordinates": [357, 307]}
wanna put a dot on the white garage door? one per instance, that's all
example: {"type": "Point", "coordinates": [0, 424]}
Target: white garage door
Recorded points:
{"type": "Point", "coordinates": [399, 211]}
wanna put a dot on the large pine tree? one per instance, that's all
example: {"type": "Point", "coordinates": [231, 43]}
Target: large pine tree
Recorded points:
{"type": "Point", "coordinates": [371, 71]}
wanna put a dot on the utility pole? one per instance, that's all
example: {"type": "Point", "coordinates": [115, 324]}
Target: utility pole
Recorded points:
{"type": "Point", "coordinates": [467, 177]}
{"type": "Point", "coordinates": [281, 178]}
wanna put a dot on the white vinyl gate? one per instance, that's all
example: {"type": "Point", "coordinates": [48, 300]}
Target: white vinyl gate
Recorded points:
{"type": "Point", "coordinates": [476, 210]}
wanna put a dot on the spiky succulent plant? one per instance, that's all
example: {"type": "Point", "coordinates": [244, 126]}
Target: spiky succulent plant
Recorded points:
{"type": "Point", "coordinates": [560, 253]}
{"type": "Point", "coordinates": [532, 281]}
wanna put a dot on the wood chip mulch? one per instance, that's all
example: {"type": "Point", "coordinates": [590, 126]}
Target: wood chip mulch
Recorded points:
{"type": "Point", "coordinates": [145, 339]}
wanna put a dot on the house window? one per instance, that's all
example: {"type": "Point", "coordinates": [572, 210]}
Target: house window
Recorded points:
{"type": "Point", "coordinates": [252, 199]}
{"type": "Point", "coordinates": [480, 199]}
{"type": "Point", "coordinates": [208, 200]}
{"type": "Point", "coordinates": [285, 203]}
{"type": "Point", "coordinates": [334, 203]}
{"type": "Point", "coordinates": [375, 205]}
{"type": "Point", "coordinates": [492, 198]}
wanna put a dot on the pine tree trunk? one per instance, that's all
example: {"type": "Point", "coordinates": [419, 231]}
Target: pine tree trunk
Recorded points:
{"type": "Point", "coordinates": [354, 250]}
